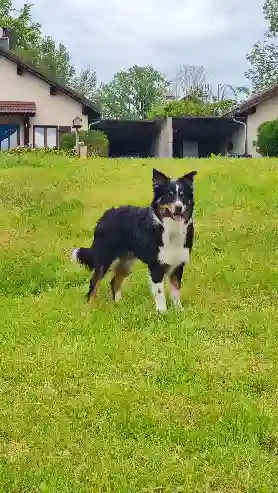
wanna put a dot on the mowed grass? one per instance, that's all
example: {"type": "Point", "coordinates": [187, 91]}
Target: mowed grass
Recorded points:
{"type": "Point", "coordinates": [104, 398]}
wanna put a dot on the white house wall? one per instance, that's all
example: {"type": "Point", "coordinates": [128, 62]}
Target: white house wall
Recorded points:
{"type": "Point", "coordinates": [265, 111]}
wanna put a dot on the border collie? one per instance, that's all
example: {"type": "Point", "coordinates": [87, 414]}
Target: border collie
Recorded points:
{"type": "Point", "coordinates": [161, 236]}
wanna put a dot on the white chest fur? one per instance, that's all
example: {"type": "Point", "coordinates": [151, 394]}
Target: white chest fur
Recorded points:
{"type": "Point", "coordinates": [173, 252]}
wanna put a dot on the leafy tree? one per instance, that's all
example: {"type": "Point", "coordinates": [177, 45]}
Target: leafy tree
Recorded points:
{"type": "Point", "coordinates": [24, 33]}
{"type": "Point", "coordinates": [270, 12]}
{"type": "Point", "coordinates": [133, 93]}
{"type": "Point", "coordinates": [86, 83]}
{"type": "Point", "coordinates": [263, 58]}
{"type": "Point", "coordinates": [54, 60]}
{"type": "Point", "coordinates": [27, 41]}
{"type": "Point", "coordinates": [192, 107]}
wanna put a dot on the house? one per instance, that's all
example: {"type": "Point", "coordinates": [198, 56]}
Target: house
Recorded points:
{"type": "Point", "coordinates": [34, 110]}
{"type": "Point", "coordinates": [258, 109]}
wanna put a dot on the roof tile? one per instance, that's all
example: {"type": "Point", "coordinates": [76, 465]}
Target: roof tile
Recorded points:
{"type": "Point", "coordinates": [17, 107]}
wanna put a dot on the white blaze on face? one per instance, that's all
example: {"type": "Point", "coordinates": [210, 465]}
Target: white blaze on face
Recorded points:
{"type": "Point", "coordinates": [178, 203]}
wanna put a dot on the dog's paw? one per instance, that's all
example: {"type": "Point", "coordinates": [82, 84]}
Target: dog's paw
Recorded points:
{"type": "Point", "coordinates": [161, 308]}
{"type": "Point", "coordinates": [117, 297]}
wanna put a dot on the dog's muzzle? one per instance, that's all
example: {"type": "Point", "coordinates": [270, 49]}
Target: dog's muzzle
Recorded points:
{"type": "Point", "coordinates": [175, 211]}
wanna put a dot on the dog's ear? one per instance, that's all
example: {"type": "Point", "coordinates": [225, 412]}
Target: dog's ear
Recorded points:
{"type": "Point", "coordinates": [189, 178]}
{"type": "Point", "coordinates": [159, 178]}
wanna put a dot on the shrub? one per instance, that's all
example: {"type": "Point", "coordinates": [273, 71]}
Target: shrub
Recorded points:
{"type": "Point", "coordinates": [268, 139]}
{"type": "Point", "coordinates": [38, 151]}
{"type": "Point", "coordinates": [67, 141]}
{"type": "Point", "coordinates": [97, 142]}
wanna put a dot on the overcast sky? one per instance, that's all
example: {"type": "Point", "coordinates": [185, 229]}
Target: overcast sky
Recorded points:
{"type": "Point", "coordinates": [111, 35]}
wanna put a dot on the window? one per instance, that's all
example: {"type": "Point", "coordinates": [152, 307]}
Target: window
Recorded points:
{"type": "Point", "coordinates": [9, 136]}
{"type": "Point", "coordinates": [44, 136]}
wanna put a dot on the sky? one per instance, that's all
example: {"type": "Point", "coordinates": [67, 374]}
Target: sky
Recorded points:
{"type": "Point", "coordinates": [112, 35]}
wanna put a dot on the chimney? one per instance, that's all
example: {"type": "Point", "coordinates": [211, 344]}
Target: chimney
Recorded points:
{"type": "Point", "coordinates": [4, 38]}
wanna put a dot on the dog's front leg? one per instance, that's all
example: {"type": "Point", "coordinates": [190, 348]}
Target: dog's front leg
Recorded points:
{"type": "Point", "coordinates": [175, 280]}
{"type": "Point", "coordinates": [157, 275]}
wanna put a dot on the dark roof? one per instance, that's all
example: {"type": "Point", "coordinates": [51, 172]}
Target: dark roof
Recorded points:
{"type": "Point", "coordinates": [197, 127]}
{"type": "Point", "coordinates": [128, 129]}
{"type": "Point", "coordinates": [38, 73]}
{"type": "Point", "coordinates": [20, 107]}
{"type": "Point", "coordinates": [254, 100]}
{"type": "Point", "coordinates": [129, 137]}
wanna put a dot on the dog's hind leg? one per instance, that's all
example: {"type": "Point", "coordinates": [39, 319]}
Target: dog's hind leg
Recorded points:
{"type": "Point", "coordinates": [94, 284]}
{"type": "Point", "coordinates": [96, 278]}
{"type": "Point", "coordinates": [122, 270]}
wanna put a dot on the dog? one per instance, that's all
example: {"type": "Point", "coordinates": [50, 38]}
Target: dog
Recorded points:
{"type": "Point", "coordinates": [161, 236]}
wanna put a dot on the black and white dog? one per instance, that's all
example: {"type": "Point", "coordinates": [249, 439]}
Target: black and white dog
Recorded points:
{"type": "Point", "coordinates": [161, 236]}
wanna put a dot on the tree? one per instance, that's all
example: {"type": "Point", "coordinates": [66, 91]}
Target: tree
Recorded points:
{"type": "Point", "coordinates": [26, 41]}
{"type": "Point", "coordinates": [188, 79]}
{"type": "Point", "coordinates": [192, 107]}
{"type": "Point", "coordinates": [270, 13]}
{"type": "Point", "coordinates": [54, 60]}
{"type": "Point", "coordinates": [227, 92]}
{"type": "Point", "coordinates": [191, 83]}
{"type": "Point", "coordinates": [263, 58]}
{"type": "Point", "coordinates": [24, 33]}
{"type": "Point", "coordinates": [86, 83]}
{"type": "Point", "coordinates": [133, 93]}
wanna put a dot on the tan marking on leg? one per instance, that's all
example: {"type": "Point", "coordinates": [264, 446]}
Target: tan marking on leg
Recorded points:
{"type": "Point", "coordinates": [121, 272]}
{"type": "Point", "coordinates": [175, 282]}
{"type": "Point", "coordinates": [95, 290]}
{"type": "Point", "coordinates": [175, 292]}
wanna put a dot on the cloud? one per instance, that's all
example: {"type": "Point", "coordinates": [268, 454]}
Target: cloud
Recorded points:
{"type": "Point", "coordinates": [113, 35]}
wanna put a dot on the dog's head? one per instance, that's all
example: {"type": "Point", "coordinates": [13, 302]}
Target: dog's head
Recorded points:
{"type": "Point", "coordinates": [173, 198]}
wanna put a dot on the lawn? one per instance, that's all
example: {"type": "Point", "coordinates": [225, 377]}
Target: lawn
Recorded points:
{"type": "Point", "coordinates": [104, 398]}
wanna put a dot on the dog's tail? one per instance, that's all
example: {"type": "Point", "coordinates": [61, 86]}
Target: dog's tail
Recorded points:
{"type": "Point", "coordinates": [84, 256]}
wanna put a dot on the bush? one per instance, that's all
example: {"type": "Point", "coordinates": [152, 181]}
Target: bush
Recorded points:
{"type": "Point", "coordinates": [37, 157]}
{"type": "Point", "coordinates": [97, 142]}
{"type": "Point", "coordinates": [268, 139]}
{"type": "Point", "coordinates": [38, 151]}
{"type": "Point", "coordinates": [67, 141]}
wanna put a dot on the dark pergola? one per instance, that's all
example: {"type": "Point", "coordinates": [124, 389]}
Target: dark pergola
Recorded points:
{"type": "Point", "coordinates": [130, 137]}
{"type": "Point", "coordinates": [209, 131]}
{"type": "Point", "coordinates": [138, 137]}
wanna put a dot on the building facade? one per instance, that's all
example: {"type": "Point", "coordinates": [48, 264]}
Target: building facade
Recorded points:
{"type": "Point", "coordinates": [35, 111]}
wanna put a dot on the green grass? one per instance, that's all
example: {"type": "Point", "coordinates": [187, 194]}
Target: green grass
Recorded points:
{"type": "Point", "coordinates": [103, 398]}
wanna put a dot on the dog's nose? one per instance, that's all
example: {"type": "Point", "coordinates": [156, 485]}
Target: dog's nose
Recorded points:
{"type": "Point", "coordinates": [178, 209]}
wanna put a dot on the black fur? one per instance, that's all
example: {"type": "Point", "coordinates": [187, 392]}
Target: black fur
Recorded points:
{"type": "Point", "coordinates": [128, 232]}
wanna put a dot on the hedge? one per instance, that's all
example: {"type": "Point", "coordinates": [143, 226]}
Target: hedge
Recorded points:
{"type": "Point", "coordinates": [267, 141]}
